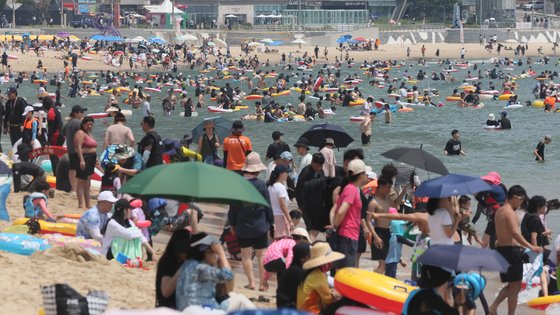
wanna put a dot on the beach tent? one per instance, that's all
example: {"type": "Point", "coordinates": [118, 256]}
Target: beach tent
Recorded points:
{"type": "Point", "coordinates": [161, 14]}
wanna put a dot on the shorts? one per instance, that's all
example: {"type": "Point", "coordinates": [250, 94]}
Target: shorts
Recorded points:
{"type": "Point", "coordinates": [385, 235]}
{"type": "Point", "coordinates": [391, 269]}
{"type": "Point", "coordinates": [281, 229]}
{"type": "Point", "coordinates": [365, 138]}
{"type": "Point", "coordinates": [362, 242]}
{"type": "Point", "coordinates": [514, 256]}
{"type": "Point", "coordinates": [90, 159]}
{"type": "Point", "coordinates": [491, 232]}
{"type": "Point", "coordinates": [259, 242]}
{"type": "Point", "coordinates": [74, 161]}
{"type": "Point", "coordinates": [349, 248]}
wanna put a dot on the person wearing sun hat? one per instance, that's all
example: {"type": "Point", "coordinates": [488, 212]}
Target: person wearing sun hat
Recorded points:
{"type": "Point", "coordinates": [236, 148]}
{"type": "Point", "coordinates": [209, 143]}
{"type": "Point", "coordinates": [252, 223]}
{"type": "Point", "coordinates": [492, 121]}
{"type": "Point", "coordinates": [129, 161]}
{"type": "Point", "coordinates": [314, 293]}
{"type": "Point", "coordinates": [330, 160]}
{"type": "Point", "coordinates": [488, 203]}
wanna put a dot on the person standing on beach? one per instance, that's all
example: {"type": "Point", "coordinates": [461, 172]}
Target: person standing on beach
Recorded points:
{"type": "Point", "coordinates": [463, 51]}
{"type": "Point", "coordinates": [382, 232]}
{"type": "Point", "coordinates": [151, 146]}
{"type": "Point", "coordinates": [508, 241]}
{"type": "Point", "coordinates": [453, 146]}
{"type": "Point", "coordinates": [236, 148]}
{"type": "Point", "coordinates": [365, 127]}
{"type": "Point", "coordinates": [13, 115]}
{"type": "Point", "coordinates": [316, 50]}
{"type": "Point", "coordinates": [539, 150]}
{"type": "Point", "coordinates": [423, 50]}
{"type": "Point", "coordinates": [408, 52]}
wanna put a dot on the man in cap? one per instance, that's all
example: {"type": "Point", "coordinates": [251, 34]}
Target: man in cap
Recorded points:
{"type": "Point", "coordinates": [302, 147]}
{"type": "Point", "coordinates": [236, 148]}
{"type": "Point", "coordinates": [276, 147]}
{"type": "Point", "coordinates": [539, 150]}
{"type": "Point", "coordinates": [69, 130]}
{"type": "Point", "coordinates": [151, 146]}
{"type": "Point", "coordinates": [94, 219]}
{"type": "Point", "coordinates": [13, 115]}
{"type": "Point", "coordinates": [118, 133]}
{"type": "Point", "coordinates": [285, 158]}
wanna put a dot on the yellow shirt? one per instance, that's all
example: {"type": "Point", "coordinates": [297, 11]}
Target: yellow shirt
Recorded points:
{"type": "Point", "coordinates": [315, 293]}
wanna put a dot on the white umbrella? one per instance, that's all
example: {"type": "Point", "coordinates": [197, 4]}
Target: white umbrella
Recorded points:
{"type": "Point", "coordinates": [221, 42]}
{"type": "Point", "coordinates": [231, 16]}
{"type": "Point", "coordinates": [251, 44]}
{"type": "Point", "coordinates": [261, 16]}
{"type": "Point", "coordinates": [267, 40]}
{"type": "Point", "coordinates": [211, 44]}
{"type": "Point", "coordinates": [299, 41]}
{"type": "Point", "coordinates": [512, 41]}
{"type": "Point", "coordinates": [186, 38]}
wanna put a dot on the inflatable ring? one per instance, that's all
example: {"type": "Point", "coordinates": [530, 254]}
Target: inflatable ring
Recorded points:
{"type": "Point", "coordinates": [453, 98]}
{"type": "Point", "coordinates": [505, 97]}
{"type": "Point", "coordinates": [542, 303]}
{"type": "Point", "coordinates": [51, 227]}
{"type": "Point", "coordinates": [253, 97]}
{"type": "Point", "coordinates": [538, 103]}
{"type": "Point", "coordinates": [475, 282]}
{"type": "Point", "coordinates": [357, 102]}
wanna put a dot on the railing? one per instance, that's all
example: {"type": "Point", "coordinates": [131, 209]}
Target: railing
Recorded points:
{"type": "Point", "coordinates": [310, 27]}
{"type": "Point", "coordinates": [411, 27]}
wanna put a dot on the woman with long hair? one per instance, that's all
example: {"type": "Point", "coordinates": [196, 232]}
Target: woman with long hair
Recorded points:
{"type": "Point", "coordinates": [279, 200]}
{"type": "Point", "coordinates": [86, 150]}
{"type": "Point", "coordinates": [534, 232]}
{"type": "Point", "coordinates": [443, 220]}
{"type": "Point", "coordinates": [120, 227]}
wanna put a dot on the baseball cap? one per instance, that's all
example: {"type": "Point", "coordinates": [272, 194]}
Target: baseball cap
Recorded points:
{"type": "Point", "coordinates": [27, 110]}
{"type": "Point", "coordinates": [357, 166]}
{"type": "Point", "coordinates": [106, 196]}
{"type": "Point", "coordinates": [286, 155]}
{"type": "Point", "coordinates": [276, 134]}
{"type": "Point", "coordinates": [12, 89]}
{"type": "Point", "coordinates": [78, 109]}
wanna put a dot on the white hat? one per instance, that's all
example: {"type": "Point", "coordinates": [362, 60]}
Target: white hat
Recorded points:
{"type": "Point", "coordinates": [491, 117]}
{"type": "Point", "coordinates": [27, 110]}
{"type": "Point", "coordinates": [106, 196]}
{"type": "Point", "coordinates": [301, 232]}
{"type": "Point", "coordinates": [357, 166]}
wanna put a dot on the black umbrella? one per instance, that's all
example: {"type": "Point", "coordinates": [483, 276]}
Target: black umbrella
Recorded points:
{"type": "Point", "coordinates": [463, 258]}
{"type": "Point", "coordinates": [222, 127]}
{"type": "Point", "coordinates": [417, 158]}
{"type": "Point", "coordinates": [319, 132]}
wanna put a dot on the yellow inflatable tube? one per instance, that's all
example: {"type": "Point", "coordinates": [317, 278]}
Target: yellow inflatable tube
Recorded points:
{"type": "Point", "coordinates": [538, 103]}
{"type": "Point", "coordinates": [299, 90]}
{"type": "Point", "coordinates": [52, 228]}
{"type": "Point", "coordinates": [542, 303]}
{"type": "Point", "coordinates": [505, 97]}
{"type": "Point", "coordinates": [357, 102]}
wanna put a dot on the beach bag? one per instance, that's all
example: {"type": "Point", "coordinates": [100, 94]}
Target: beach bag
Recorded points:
{"type": "Point", "coordinates": [231, 242]}
{"type": "Point", "coordinates": [61, 299]}
{"type": "Point", "coordinates": [130, 248]}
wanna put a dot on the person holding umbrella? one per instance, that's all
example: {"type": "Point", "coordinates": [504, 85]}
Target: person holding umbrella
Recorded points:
{"type": "Point", "coordinates": [508, 240]}
{"type": "Point", "coordinates": [209, 143]}
{"type": "Point", "coordinates": [330, 160]}
{"type": "Point", "coordinates": [444, 219]}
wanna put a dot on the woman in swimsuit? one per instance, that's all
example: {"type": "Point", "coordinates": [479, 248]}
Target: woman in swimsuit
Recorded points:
{"type": "Point", "coordinates": [86, 146]}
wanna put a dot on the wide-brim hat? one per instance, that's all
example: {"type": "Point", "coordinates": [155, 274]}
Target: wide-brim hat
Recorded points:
{"type": "Point", "coordinates": [253, 163]}
{"type": "Point", "coordinates": [492, 177]}
{"type": "Point", "coordinates": [302, 142]}
{"type": "Point", "coordinates": [322, 254]}
{"type": "Point", "coordinates": [122, 151]}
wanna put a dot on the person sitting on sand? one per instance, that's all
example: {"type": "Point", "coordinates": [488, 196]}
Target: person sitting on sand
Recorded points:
{"type": "Point", "coordinates": [91, 222]}
{"type": "Point", "coordinates": [175, 254]}
{"type": "Point", "coordinates": [286, 293]}
{"type": "Point", "coordinates": [314, 293]}
{"type": "Point", "coordinates": [119, 231]}
{"type": "Point", "coordinates": [36, 204]}
{"type": "Point", "coordinates": [207, 267]}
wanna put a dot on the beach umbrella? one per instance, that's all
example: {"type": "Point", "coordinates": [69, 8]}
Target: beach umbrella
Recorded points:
{"type": "Point", "coordinates": [267, 40]}
{"type": "Point", "coordinates": [211, 44]}
{"type": "Point", "coordinates": [360, 39]}
{"type": "Point", "coordinates": [319, 132]}
{"type": "Point", "coordinates": [343, 39]}
{"type": "Point", "coordinates": [452, 185]}
{"type": "Point", "coordinates": [252, 44]}
{"type": "Point", "coordinates": [463, 258]}
{"type": "Point", "coordinates": [63, 34]}
{"type": "Point", "coordinates": [417, 158]}
{"type": "Point", "coordinates": [221, 42]}
{"type": "Point", "coordinates": [512, 41]}
{"type": "Point", "coordinates": [98, 37]}
{"type": "Point", "coordinates": [118, 52]}
{"type": "Point", "coordinates": [113, 38]}
{"type": "Point", "coordinates": [353, 42]}
{"type": "Point", "coordinates": [25, 35]}
{"type": "Point", "coordinates": [222, 128]}
{"type": "Point", "coordinates": [231, 16]}
{"type": "Point", "coordinates": [299, 41]}
{"type": "Point", "coordinates": [157, 40]}
{"type": "Point", "coordinates": [186, 38]}
{"type": "Point", "coordinates": [193, 182]}
{"type": "Point", "coordinates": [276, 43]}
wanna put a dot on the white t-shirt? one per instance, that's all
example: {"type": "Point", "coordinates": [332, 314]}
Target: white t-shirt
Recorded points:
{"type": "Point", "coordinates": [269, 169]}
{"type": "Point", "coordinates": [554, 250]}
{"type": "Point", "coordinates": [146, 109]}
{"type": "Point", "coordinates": [437, 222]}
{"type": "Point", "coordinates": [276, 192]}
{"type": "Point", "coordinates": [305, 160]}
{"type": "Point", "coordinates": [114, 229]}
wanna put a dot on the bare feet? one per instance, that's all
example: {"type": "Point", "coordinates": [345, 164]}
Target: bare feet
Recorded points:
{"type": "Point", "coordinates": [249, 287]}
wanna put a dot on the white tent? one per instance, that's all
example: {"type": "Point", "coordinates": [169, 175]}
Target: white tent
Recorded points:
{"type": "Point", "coordinates": [166, 7]}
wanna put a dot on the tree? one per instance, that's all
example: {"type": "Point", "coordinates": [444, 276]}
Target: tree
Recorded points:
{"type": "Point", "coordinates": [434, 10]}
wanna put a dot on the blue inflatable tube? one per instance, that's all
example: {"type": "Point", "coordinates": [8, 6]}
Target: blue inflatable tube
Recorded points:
{"type": "Point", "coordinates": [22, 244]}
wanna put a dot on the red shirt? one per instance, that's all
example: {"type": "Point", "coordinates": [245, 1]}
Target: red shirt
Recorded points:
{"type": "Point", "coordinates": [350, 226]}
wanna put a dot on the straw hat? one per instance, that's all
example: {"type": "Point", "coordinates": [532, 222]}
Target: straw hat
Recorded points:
{"type": "Point", "coordinates": [322, 254]}
{"type": "Point", "coordinates": [253, 163]}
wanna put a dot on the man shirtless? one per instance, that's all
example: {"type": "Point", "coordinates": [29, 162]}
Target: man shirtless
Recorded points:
{"type": "Point", "coordinates": [508, 242]}
{"type": "Point", "coordinates": [382, 232]}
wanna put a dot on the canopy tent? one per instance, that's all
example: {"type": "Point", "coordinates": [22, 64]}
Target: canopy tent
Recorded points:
{"type": "Point", "coordinates": [161, 14]}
